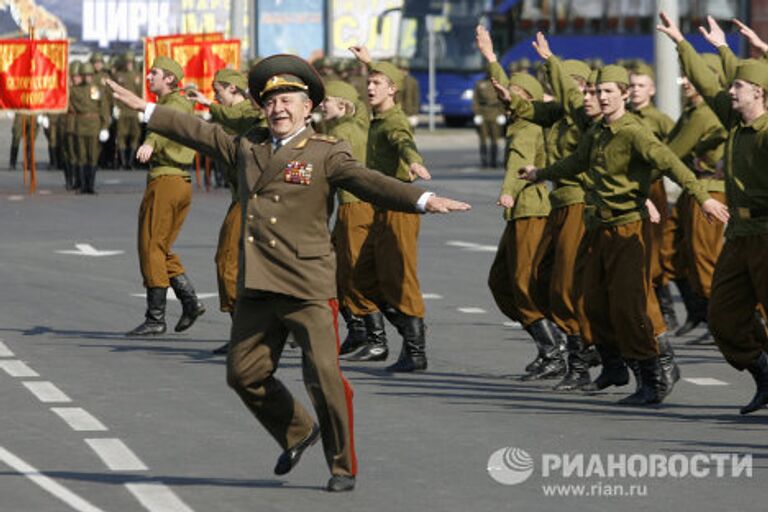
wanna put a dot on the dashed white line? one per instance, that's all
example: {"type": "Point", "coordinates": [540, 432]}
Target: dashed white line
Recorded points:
{"type": "Point", "coordinates": [156, 497]}
{"type": "Point", "coordinates": [513, 324]}
{"type": "Point", "coordinates": [705, 381]}
{"type": "Point", "coordinates": [16, 198]}
{"type": "Point", "coordinates": [79, 419]}
{"type": "Point", "coordinates": [471, 246]}
{"type": "Point", "coordinates": [4, 350]}
{"type": "Point", "coordinates": [116, 455]}
{"type": "Point", "coordinates": [170, 295]}
{"type": "Point", "coordinates": [472, 311]}
{"type": "Point", "coordinates": [46, 391]}
{"type": "Point", "coordinates": [47, 483]}
{"type": "Point", "coordinates": [16, 368]}
{"type": "Point", "coordinates": [435, 296]}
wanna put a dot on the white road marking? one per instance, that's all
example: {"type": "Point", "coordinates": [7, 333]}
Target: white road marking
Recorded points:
{"type": "Point", "coordinates": [705, 381]}
{"type": "Point", "coordinates": [513, 324]}
{"type": "Point", "coordinates": [89, 250]}
{"type": "Point", "coordinates": [4, 350]}
{"type": "Point", "coordinates": [16, 368]}
{"type": "Point", "coordinates": [472, 311]}
{"type": "Point", "coordinates": [156, 497]}
{"type": "Point", "coordinates": [111, 182]}
{"type": "Point", "coordinates": [79, 419]}
{"type": "Point", "coordinates": [116, 455]}
{"type": "Point", "coordinates": [470, 246]}
{"type": "Point", "coordinates": [44, 192]}
{"type": "Point", "coordinates": [15, 198]}
{"type": "Point", "coordinates": [47, 483]}
{"type": "Point", "coordinates": [435, 296]}
{"type": "Point", "coordinates": [46, 391]}
{"type": "Point", "coordinates": [172, 296]}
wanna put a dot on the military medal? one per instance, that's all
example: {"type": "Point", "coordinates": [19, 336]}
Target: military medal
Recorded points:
{"type": "Point", "coordinates": [298, 173]}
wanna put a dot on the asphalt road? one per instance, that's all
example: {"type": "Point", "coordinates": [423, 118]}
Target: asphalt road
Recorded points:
{"type": "Point", "coordinates": [92, 420]}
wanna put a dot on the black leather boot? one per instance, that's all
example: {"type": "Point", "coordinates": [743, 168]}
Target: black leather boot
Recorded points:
{"type": "Point", "coordinates": [154, 318]}
{"type": "Point", "coordinates": [375, 346]}
{"type": "Point", "coordinates": [356, 334]}
{"type": "Point", "coordinates": [483, 155]}
{"type": "Point", "coordinates": [13, 157]}
{"type": "Point", "coordinates": [695, 307]}
{"type": "Point", "coordinates": [759, 371]}
{"type": "Point", "coordinates": [664, 294]}
{"type": "Point", "coordinates": [52, 153]}
{"type": "Point", "coordinates": [553, 364]}
{"type": "Point", "coordinates": [650, 384]}
{"type": "Point", "coordinates": [670, 372]}
{"type": "Point", "coordinates": [191, 308]}
{"type": "Point", "coordinates": [413, 355]}
{"type": "Point", "coordinates": [613, 373]}
{"type": "Point", "coordinates": [577, 375]}
{"type": "Point", "coordinates": [494, 154]}
{"type": "Point", "coordinates": [592, 356]}
{"type": "Point", "coordinates": [68, 178]}
{"type": "Point", "coordinates": [78, 177]}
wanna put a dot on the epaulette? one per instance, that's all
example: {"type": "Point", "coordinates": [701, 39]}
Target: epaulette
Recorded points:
{"type": "Point", "coordinates": [330, 139]}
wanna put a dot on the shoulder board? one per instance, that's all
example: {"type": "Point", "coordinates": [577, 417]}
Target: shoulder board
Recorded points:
{"type": "Point", "coordinates": [324, 138]}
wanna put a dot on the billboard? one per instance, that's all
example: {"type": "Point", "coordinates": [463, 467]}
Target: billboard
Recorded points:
{"type": "Point", "coordinates": [291, 26]}
{"type": "Point", "coordinates": [355, 23]}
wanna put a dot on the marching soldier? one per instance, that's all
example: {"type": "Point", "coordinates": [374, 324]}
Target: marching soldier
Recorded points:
{"type": "Point", "coordinates": [387, 270]}
{"type": "Point", "coordinates": [165, 205]}
{"type": "Point", "coordinates": [740, 281]}
{"type": "Point", "coordinates": [489, 118]}
{"type": "Point", "coordinates": [235, 112]}
{"type": "Point", "coordinates": [617, 281]}
{"type": "Point", "coordinates": [71, 157]}
{"type": "Point", "coordinates": [287, 277]}
{"type": "Point", "coordinates": [409, 97]}
{"type": "Point", "coordinates": [91, 126]}
{"type": "Point", "coordinates": [128, 129]}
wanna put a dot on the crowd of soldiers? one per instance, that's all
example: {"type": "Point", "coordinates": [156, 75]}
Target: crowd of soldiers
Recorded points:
{"type": "Point", "coordinates": [585, 264]}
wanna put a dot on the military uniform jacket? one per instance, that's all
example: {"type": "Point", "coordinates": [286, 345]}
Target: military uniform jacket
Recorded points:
{"type": "Point", "coordinates": [287, 199]}
{"type": "Point", "coordinates": [620, 158]}
{"type": "Point", "coordinates": [236, 119]}
{"type": "Point", "coordinates": [170, 158]}
{"type": "Point", "coordinates": [485, 101]}
{"type": "Point", "coordinates": [526, 147]}
{"type": "Point", "coordinates": [391, 148]}
{"type": "Point", "coordinates": [746, 151]}
{"type": "Point", "coordinates": [90, 104]}
{"type": "Point", "coordinates": [350, 130]}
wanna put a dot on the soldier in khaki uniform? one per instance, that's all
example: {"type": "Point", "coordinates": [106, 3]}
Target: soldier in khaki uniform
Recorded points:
{"type": "Point", "coordinates": [71, 165]}
{"type": "Point", "coordinates": [740, 281]}
{"type": "Point", "coordinates": [100, 77]}
{"type": "Point", "coordinates": [409, 96]}
{"type": "Point", "coordinates": [235, 112]}
{"type": "Point", "coordinates": [489, 119]}
{"type": "Point", "coordinates": [617, 280]}
{"type": "Point", "coordinates": [642, 89]}
{"type": "Point", "coordinates": [354, 219]}
{"type": "Point", "coordinates": [287, 275]}
{"type": "Point", "coordinates": [22, 122]}
{"type": "Point", "coordinates": [698, 139]}
{"type": "Point", "coordinates": [163, 209]}
{"type": "Point", "coordinates": [128, 128]}
{"type": "Point", "coordinates": [387, 269]}
{"type": "Point", "coordinates": [91, 109]}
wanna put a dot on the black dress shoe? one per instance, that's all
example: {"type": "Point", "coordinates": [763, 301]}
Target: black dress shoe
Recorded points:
{"type": "Point", "coordinates": [341, 483]}
{"type": "Point", "coordinates": [289, 458]}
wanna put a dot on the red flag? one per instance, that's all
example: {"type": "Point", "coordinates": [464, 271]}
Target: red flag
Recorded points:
{"type": "Point", "coordinates": [33, 75]}
{"type": "Point", "coordinates": [201, 61]}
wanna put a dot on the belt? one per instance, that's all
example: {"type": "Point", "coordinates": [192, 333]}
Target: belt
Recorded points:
{"type": "Point", "coordinates": [610, 213]}
{"type": "Point", "coordinates": [752, 213]}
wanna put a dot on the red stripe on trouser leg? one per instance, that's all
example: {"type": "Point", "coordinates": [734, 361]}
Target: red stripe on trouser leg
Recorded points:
{"type": "Point", "coordinates": [348, 392]}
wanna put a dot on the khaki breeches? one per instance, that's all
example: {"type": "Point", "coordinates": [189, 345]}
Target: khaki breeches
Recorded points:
{"type": "Point", "coordinates": [616, 287]}
{"type": "Point", "coordinates": [353, 226]}
{"type": "Point", "coordinates": [554, 266]}
{"type": "Point", "coordinates": [386, 270]}
{"type": "Point", "coordinates": [739, 287]}
{"type": "Point", "coordinates": [510, 276]}
{"type": "Point", "coordinates": [227, 254]}
{"type": "Point", "coordinates": [162, 212]}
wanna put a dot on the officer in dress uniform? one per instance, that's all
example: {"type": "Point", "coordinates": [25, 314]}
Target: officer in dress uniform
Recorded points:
{"type": "Point", "coordinates": [287, 279]}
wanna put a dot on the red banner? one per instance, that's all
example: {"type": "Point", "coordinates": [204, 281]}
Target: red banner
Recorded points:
{"type": "Point", "coordinates": [202, 60]}
{"type": "Point", "coordinates": [161, 46]}
{"type": "Point", "coordinates": [33, 75]}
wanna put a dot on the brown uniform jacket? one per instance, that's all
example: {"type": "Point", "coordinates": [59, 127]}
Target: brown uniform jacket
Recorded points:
{"type": "Point", "coordinates": [286, 242]}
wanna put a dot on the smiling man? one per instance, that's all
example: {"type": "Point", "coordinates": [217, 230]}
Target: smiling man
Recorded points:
{"type": "Point", "coordinates": [287, 279]}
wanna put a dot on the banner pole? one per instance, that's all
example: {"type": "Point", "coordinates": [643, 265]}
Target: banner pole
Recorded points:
{"type": "Point", "coordinates": [33, 173]}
